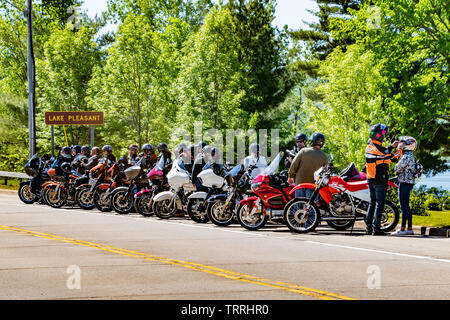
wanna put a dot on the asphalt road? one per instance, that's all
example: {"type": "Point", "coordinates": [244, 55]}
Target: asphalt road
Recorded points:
{"type": "Point", "coordinates": [70, 253]}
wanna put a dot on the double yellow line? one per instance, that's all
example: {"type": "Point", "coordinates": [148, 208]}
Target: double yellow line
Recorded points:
{"type": "Point", "coordinates": [320, 294]}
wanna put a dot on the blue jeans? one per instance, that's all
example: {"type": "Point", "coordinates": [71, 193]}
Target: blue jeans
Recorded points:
{"type": "Point", "coordinates": [305, 193]}
{"type": "Point", "coordinates": [404, 192]}
{"type": "Point", "coordinates": [377, 200]}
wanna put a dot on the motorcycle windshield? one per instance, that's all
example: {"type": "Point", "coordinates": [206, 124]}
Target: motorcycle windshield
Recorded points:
{"type": "Point", "coordinates": [33, 162]}
{"type": "Point", "coordinates": [160, 164]}
{"type": "Point", "coordinates": [273, 167]}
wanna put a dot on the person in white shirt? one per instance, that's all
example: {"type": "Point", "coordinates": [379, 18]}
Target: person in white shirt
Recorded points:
{"type": "Point", "coordinates": [255, 159]}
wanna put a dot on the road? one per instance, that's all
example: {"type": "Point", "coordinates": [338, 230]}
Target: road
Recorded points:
{"type": "Point", "coordinates": [68, 253]}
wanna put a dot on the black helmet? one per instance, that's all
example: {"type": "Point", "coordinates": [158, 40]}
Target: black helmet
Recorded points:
{"type": "Point", "coordinates": [77, 148]}
{"type": "Point", "coordinates": [65, 167]}
{"type": "Point", "coordinates": [148, 146]}
{"type": "Point", "coordinates": [107, 148]}
{"type": "Point", "coordinates": [66, 150]}
{"type": "Point", "coordinates": [162, 147]}
{"type": "Point", "coordinates": [301, 136]}
{"type": "Point", "coordinates": [317, 139]}
{"type": "Point", "coordinates": [378, 132]}
{"type": "Point", "coordinates": [86, 148]}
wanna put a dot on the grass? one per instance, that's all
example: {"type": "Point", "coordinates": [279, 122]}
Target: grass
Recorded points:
{"type": "Point", "coordinates": [435, 219]}
{"type": "Point", "coordinates": [13, 184]}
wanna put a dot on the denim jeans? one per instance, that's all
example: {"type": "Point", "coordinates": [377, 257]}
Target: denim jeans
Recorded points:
{"type": "Point", "coordinates": [404, 191]}
{"type": "Point", "coordinates": [377, 200]}
{"type": "Point", "coordinates": [305, 193]}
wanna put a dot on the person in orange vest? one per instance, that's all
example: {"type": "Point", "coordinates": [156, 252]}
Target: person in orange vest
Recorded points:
{"type": "Point", "coordinates": [378, 159]}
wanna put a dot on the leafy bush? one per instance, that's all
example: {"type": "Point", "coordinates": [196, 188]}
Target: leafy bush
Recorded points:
{"type": "Point", "coordinates": [417, 204]}
{"type": "Point", "coordinates": [433, 203]}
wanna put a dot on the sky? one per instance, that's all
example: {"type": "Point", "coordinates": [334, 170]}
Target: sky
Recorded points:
{"type": "Point", "coordinates": [288, 12]}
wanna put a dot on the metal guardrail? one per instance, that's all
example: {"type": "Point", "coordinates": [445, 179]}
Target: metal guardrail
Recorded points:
{"type": "Point", "coordinates": [16, 175]}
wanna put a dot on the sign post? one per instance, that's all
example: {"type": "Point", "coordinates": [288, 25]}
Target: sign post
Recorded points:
{"type": "Point", "coordinates": [53, 141]}
{"type": "Point", "coordinates": [59, 118]}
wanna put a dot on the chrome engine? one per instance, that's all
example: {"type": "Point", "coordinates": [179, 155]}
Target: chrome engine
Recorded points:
{"type": "Point", "coordinates": [340, 205]}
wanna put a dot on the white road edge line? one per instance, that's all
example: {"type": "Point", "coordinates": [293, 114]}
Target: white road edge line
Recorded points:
{"type": "Point", "coordinates": [250, 233]}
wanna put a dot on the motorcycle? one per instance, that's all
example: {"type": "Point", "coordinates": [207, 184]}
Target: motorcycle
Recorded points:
{"type": "Point", "coordinates": [272, 192]}
{"type": "Point", "coordinates": [167, 203]}
{"type": "Point", "coordinates": [85, 193]}
{"type": "Point", "coordinates": [221, 208]}
{"type": "Point", "coordinates": [31, 190]}
{"type": "Point", "coordinates": [122, 198]}
{"type": "Point", "coordinates": [144, 199]}
{"type": "Point", "coordinates": [102, 193]}
{"type": "Point", "coordinates": [340, 204]}
{"type": "Point", "coordinates": [212, 179]}
{"type": "Point", "coordinates": [57, 191]}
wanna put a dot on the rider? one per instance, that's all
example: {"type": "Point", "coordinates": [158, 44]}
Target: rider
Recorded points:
{"type": "Point", "coordinates": [82, 158]}
{"type": "Point", "coordinates": [378, 159]}
{"type": "Point", "coordinates": [306, 162]}
{"type": "Point", "coordinates": [148, 159]}
{"type": "Point", "coordinates": [255, 159]}
{"type": "Point", "coordinates": [108, 156]}
{"type": "Point", "coordinates": [198, 165]}
{"type": "Point", "coordinates": [300, 140]}
{"type": "Point", "coordinates": [76, 150]}
{"type": "Point", "coordinates": [164, 152]}
{"type": "Point", "coordinates": [86, 166]}
{"type": "Point", "coordinates": [65, 156]}
{"type": "Point", "coordinates": [133, 157]}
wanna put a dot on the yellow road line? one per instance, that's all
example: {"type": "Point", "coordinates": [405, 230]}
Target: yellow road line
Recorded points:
{"type": "Point", "coordinates": [320, 294]}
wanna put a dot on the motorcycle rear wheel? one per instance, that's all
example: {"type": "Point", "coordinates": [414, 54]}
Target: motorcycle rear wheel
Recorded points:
{"type": "Point", "coordinates": [341, 226]}
{"type": "Point", "coordinates": [56, 199]}
{"type": "Point", "coordinates": [300, 216]}
{"type": "Point", "coordinates": [245, 220]}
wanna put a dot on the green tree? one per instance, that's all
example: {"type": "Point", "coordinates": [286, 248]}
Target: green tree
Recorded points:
{"type": "Point", "coordinates": [134, 86]}
{"type": "Point", "coordinates": [212, 85]}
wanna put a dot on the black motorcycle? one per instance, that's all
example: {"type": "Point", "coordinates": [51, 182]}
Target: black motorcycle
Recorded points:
{"type": "Point", "coordinates": [30, 191]}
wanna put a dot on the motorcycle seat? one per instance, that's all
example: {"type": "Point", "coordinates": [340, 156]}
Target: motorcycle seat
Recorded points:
{"type": "Point", "coordinates": [357, 185]}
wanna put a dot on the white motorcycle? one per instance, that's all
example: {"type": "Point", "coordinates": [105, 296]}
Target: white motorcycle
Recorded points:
{"type": "Point", "coordinates": [212, 179]}
{"type": "Point", "coordinates": [167, 203]}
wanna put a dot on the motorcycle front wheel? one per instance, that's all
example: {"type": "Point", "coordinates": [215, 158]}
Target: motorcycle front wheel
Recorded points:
{"type": "Point", "coordinates": [250, 221]}
{"type": "Point", "coordinates": [199, 216]}
{"type": "Point", "coordinates": [84, 199]}
{"type": "Point", "coordinates": [301, 216]}
{"type": "Point", "coordinates": [102, 200]}
{"type": "Point", "coordinates": [121, 202]}
{"type": "Point", "coordinates": [25, 193]}
{"type": "Point", "coordinates": [163, 209]}
{"type": "Point", "coordinates": [143, 205]}
{"type": "Point", "coordinates": [218, 216]}
{"type": "Point", "coordinates": [56, 199]}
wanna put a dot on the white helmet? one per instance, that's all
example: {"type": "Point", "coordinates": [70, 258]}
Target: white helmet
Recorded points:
{"type": "Point", "coordinates": [410, 143]}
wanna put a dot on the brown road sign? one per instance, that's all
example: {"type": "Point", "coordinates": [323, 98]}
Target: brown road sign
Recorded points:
{"type": "Point", "coordinates": [74, 118]}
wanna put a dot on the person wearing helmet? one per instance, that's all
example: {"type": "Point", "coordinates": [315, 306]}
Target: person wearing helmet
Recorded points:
{"type": "Point", "coordinates": [306, 162]}
{"type": "Point", "coordinates": [199, 162]}
{"type": "Point", "coordinates": [378, 159]}
{"type": "Point", "coordinates": [166, 154]}
{"type": "Point", "coordinates": [108, 155]}
{"type": "Point", "coordinates": [408, 170]}
{"type": "Point", "coordinates": [300, 143]}
{"type": "Point", "coordinates": [148, 158]}
{"type": "Point", "coordinates": [65, 156]}
{"type": "Point", "coordinates": [88, 165]}
{"type": "Point", "coordinates": [133, 157]}
{"type": "Point", "coordinates": [255, 159]}
{"type": "Point", "coordinates": [76, 150]}
{"type": "Point", "coordinates": [80, 159]}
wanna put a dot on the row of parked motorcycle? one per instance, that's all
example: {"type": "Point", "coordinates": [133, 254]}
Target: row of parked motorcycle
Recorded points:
{"type": "Point", "coordinates": [229, 194]}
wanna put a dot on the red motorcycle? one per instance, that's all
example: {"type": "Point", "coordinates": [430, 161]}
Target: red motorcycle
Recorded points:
{"type": "Point", "coordinates": [340, 200]}
{"type": "Point", "coordinates": [272, 191]}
